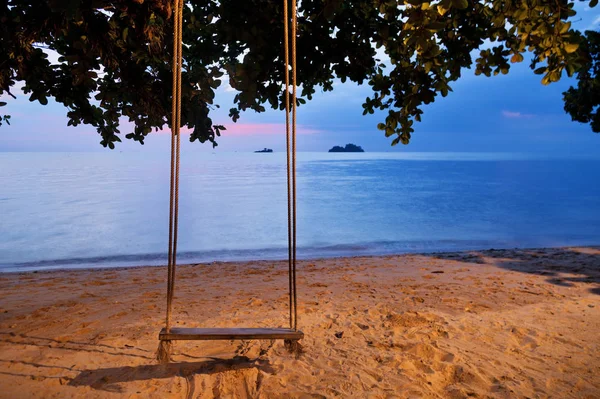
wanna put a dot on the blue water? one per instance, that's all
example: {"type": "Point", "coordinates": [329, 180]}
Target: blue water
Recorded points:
{"type": "Point", "coordinates": [67, 210]}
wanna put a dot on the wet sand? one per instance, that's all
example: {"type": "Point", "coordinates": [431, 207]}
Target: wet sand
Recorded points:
{"type": "Point", "coordinates": [503, 323]}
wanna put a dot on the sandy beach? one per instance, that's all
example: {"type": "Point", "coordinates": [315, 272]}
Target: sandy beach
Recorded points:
{"type": "Point", "coordinates": [497, 323]}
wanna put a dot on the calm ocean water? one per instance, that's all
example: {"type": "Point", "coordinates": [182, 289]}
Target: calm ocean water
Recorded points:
{"type": "Point", "coordinates": [67, 210]}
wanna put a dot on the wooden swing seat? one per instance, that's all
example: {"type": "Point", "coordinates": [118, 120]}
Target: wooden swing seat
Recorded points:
{"type": "Point", "coordinates": [200, 334]}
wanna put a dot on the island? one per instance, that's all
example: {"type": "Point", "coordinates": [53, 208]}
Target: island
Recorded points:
{"type": "Point", "coordinates": [264, 150]}
{"type": "Point", "coordinates": [347, 148]}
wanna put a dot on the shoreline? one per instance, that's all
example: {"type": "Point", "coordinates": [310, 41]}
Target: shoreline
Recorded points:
{"type": "Point", "coordinates": [88, 268]}
{"type": "Point", "coordinates": [502, 323]}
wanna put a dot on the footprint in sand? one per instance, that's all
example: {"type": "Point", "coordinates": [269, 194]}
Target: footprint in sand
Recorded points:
{"type": "Point", "coordinates": [431, 354]}
{"type": "Point", "coordinates": [524, 338]}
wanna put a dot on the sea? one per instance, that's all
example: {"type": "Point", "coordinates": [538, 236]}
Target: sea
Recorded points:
{"type": "Point", "coordinates": [110, 209]}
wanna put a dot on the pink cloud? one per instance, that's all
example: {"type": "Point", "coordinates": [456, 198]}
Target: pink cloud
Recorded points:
{"type": "Point", "coordinates": [240, 129]}
{"type": "Point", "coordinates": [251, 129]}
{"type": "Point", "coordinates": [516, 115]}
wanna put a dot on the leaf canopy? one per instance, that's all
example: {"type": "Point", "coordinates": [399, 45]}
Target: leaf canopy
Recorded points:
{"type": "Point", "coordinates": [583, 102]}
{"type": "Point", "coordinates": [116, 54]}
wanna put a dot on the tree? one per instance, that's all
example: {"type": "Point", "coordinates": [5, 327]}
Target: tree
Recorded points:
{"type": "Point", "coordinates": [583, 102]}
{"type": "Point", "coordinates": [115, 54]}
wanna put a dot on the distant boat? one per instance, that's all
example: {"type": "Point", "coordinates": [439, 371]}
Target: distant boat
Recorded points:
{"type": "Point", "coordinates": [264, 150]}
{"type": "Point", "coordinates": [347, 148]}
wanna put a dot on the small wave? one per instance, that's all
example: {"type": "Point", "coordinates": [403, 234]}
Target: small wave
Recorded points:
{"type": "Point", "coordinates": [305, 252]}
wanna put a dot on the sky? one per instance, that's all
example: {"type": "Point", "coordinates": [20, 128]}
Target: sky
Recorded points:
{"type": "Point", "coordinates": [504, 113]}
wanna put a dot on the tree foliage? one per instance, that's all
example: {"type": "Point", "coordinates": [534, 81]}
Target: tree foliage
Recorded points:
{"type": "Point", "coordinates": [583, 102]}
{"type": "Point", "coordinates": [115, 54]}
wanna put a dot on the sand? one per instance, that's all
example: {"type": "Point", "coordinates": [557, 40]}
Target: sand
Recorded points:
{"type": "Point", "coordinates": [498, 323]}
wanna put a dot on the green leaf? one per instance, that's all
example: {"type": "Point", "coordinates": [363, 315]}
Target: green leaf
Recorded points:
{"type": "Point", "coordinates": [571, 47]}
{"type": "Point", "coordinates": [2, 103]}
{"type": "Point", "coordinates": [565, 28]}
{"type": "Point", "coordinates": [331, 7]}
{"type": "Point", "coordinates": [444, 8]}
{"type": "Point", "coordinates": [546, 80]}
{"type": "Point", "coordinates": [518, 57]}
{"type": "Point", "coordinates": [460, 4]}
{"type": "Point", "coordinates": [381, 126]}
{"type": "Point", "coordinates": [593, 3]}
{"type": "Point", "coordinates": [435, 26]}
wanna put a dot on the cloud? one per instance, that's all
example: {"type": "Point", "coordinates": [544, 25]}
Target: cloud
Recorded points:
{"type": "Point", "coordinates": [516, 115]}
{"type": "Point", "coordinates": [245, 129]}
{"type": "Point", "coordinates": [225, 86]}
{"type": "Point", "coordinates": [251, 129]}
{"type": "Point", "coordinates": [595, 23]}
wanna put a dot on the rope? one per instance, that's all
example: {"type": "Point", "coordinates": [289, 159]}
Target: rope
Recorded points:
{"type": "Point", "coordinates": [287, 146]}
{"type": "Point", "coordinates": [175, 152]}
{"type": "Point", "coordinates": [291, 169]}
{"type": "Point", "coordinates": [294, 28]}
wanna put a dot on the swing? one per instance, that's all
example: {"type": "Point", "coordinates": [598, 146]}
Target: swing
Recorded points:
{"type": "Point", "coordinates": [290, 335]}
